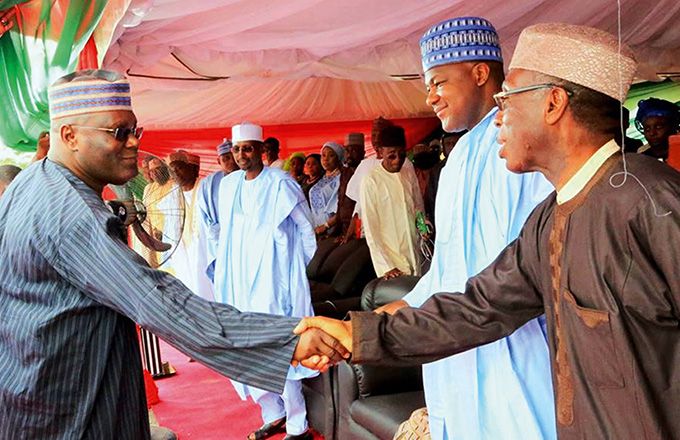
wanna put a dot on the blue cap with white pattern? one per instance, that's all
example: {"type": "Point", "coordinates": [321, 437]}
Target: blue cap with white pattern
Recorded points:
{"type": "Point", "coordinates": [458, 40]}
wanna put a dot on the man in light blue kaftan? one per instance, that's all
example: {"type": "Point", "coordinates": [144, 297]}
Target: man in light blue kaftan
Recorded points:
{"type": "Point", "coordinates": [501, 390]}
{"type": "Point", "coordinates": [266, 240]}
{"type": "Point", "coordinates": [208, 202]}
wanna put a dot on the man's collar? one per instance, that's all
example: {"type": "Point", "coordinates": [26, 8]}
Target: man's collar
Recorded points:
{"type": "Point", "coordinates": [581, 178]}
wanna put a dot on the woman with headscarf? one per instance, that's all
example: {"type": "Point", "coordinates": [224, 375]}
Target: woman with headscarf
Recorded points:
{"type": "Point", "coordinates": [657, 119]}
{"type": "Point", "coordinates": [295, 165]}
{"type": "Point", "coordinates": [313, 171]}
{"type": "Point", "coordinates": [332, 215]}
{"type": "Point", "coordinates": [323, 196]}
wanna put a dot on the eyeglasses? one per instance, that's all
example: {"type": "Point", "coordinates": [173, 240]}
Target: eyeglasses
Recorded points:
{"type": "Point", "coordinates": [500, 97]}
{"type": "Point", "coordinates": [243, 149]}
{"type": "Point", "coordinates": [120, 133]}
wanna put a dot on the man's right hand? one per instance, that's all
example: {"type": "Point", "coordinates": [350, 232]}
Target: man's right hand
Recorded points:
{"type": "Point", "coordinates": [391, 308]}
{"type": "Point", "coordinates": [318, 350]}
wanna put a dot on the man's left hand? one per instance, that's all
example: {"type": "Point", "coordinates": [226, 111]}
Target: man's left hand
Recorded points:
{"type": "Point", "coordinates": [340, 330]}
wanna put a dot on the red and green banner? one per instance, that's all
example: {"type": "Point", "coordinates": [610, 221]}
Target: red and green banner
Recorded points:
{"type": "Point", "coordinates": [43, 43]}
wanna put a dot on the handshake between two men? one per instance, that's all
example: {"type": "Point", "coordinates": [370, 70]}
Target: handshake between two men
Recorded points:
{"type": "Point", "coordinates": [323, 342]}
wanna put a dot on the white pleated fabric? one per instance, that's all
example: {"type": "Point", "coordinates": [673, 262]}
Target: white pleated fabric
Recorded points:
{"type": "Point", "coordinates": [326, 60]}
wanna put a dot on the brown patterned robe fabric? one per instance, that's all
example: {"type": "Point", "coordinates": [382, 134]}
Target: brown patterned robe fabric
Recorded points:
{"type": "Point", "coordinates": [603, 267]}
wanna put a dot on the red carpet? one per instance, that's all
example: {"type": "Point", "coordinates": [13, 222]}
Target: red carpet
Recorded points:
{"type": "Point", "coordinates": [198, 403]}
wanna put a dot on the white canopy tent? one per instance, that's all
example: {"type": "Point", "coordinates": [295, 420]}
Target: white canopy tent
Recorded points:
{"type": "Point", "coordinates": [213, 63]}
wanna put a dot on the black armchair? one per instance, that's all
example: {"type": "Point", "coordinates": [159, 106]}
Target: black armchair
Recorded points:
{"type": "Point", "coordinates": [373, 401]}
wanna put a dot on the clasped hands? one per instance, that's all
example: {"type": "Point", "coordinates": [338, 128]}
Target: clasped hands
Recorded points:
{"type": "Point", "coordinates": [323, 342]}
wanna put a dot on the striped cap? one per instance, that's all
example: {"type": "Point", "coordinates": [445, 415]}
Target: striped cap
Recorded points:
{"type": "Point", "coordinates": [459, 40]}
{"type": "Point", "coordinates": [89, 91]}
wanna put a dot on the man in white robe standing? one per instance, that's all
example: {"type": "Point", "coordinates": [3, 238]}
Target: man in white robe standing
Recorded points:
{"type": "Point", "coordinates": [208, 202]}
{"type": "Point", "coordinates": [266, 240]}
{"type": "Point", "coordinates": [502, 389]}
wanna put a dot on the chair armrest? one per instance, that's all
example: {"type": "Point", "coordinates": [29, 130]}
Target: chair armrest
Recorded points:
{"type": "Point", "coordinates": [380, 292]}
{"type": "Point", "coordinates": [375, 381]}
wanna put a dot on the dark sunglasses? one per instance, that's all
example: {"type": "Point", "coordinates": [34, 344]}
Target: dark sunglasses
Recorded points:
{"type": "Point", "coordinates": [120, 133]}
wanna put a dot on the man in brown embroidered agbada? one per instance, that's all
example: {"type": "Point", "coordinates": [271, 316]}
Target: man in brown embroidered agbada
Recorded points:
{"type": "Point", "coordinates": [599, 256]}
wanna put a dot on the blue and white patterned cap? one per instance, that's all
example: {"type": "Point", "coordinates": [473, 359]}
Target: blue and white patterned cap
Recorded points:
{"type": "Point", "coordinates": [225, 147]}
{"type": "Point", "coordinates": [458, 40]}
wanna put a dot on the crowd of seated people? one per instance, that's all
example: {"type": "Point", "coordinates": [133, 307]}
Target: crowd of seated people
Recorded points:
{"type": "Point", "coordinates": [351, 244]}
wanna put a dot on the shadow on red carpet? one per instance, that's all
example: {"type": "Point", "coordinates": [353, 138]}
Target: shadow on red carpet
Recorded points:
{"type": "Point", "coordinates": [198, 403]}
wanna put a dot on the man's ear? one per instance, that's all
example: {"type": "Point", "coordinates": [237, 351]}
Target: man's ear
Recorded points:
{"type": "Point", "coordinates": [558, 101]}
{"type": "Point", "coordinates": [68, 137]}
{"type": "Point", "coordinates": [480, 73]}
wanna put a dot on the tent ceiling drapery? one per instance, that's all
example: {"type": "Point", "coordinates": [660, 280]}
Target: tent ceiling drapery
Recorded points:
{"type": "Point", "coordinates": [299, 62]}
{"type": "Point", "coordinates": [325, 60]}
